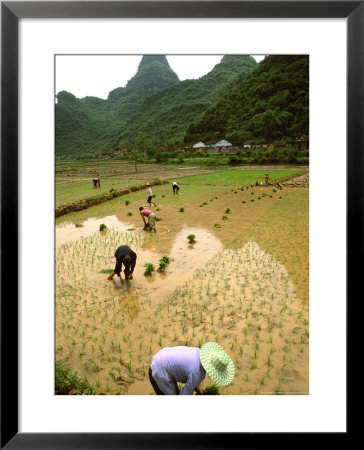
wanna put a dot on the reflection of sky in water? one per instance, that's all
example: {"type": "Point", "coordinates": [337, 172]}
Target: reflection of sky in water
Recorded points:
{"type": "Point", "coordinates": [185, 258]}
{"type": "Point", "coordinates": [69, 232]}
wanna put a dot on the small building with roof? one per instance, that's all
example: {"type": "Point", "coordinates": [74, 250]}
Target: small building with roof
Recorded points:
{"type": "Point", "coordinates": [223, 143]}
{"type": "Point", "coordinates": [199, 145]}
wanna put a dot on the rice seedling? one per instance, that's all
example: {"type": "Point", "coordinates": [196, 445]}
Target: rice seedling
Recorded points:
{"type": "Point", "coordinates": [286, 348]}
{"type": "Point", "coordinates": [253, 365]}
{"type": "Point", "coordinates": [181, 210]}
{"type": "Point", "coordinates": [191, 238]}
{"type": "Point", "coordinates": [106, 271]}
{"type": "Point", "coordinates": [278, 391]}
{"type": "Point", "coordinates": [102, 227]}
{"type": "Point", "coordinates": [149, 269]}
{"type": "Point", "coordinates": [129, 213]}
{"type": "Point", "coordinates": [162, 266]}
{"type": "Point", "coordinates": [212, 390]}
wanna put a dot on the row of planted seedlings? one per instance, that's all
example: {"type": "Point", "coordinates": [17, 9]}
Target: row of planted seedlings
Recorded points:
{"type": "Point", "coordinates": [95, 330]}
{"type": "Point", "coordinates": [245, 301]}
{"type": "Point", "coordinates": [248, 194]}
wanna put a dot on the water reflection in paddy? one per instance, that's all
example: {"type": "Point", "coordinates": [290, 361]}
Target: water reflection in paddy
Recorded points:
{"type": "Point", "coordinates": [185, 258]}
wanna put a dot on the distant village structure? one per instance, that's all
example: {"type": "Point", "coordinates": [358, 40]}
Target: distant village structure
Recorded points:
{"type": "Point", "coordinates": [199, 145]}
{"type": "Point", "coordinates": [226, 147]}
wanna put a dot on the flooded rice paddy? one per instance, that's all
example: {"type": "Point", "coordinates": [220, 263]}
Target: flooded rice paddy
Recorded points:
{"type": "Point", "coordinates": [237, 285]}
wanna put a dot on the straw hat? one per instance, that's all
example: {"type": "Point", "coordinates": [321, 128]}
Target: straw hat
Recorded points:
{"type": "Point", "coordinates": [148, 184]}
{"type": "Point", "coordinates": [217, 363]}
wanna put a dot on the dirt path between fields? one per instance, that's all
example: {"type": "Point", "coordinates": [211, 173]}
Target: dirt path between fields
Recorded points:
{"type": "Point", "coordinates": [300, 182]}
{"type": "Point", "coordinates": [84, 204]}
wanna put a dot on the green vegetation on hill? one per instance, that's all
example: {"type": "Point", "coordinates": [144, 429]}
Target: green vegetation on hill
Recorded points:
{"type": "Point", "coordinates": [85, 126]}
{"type": "Point", "coordinates": [165, 116]}
{"type": "Point", "coordinates": [238, 100]}
{"type": "Point", "coordinates": [154, 102]}
{"type": "Point", "coordinates": [272, 103]}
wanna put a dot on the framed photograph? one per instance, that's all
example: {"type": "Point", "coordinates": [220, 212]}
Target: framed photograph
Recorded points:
{"type": "Point", "coordinates": [55, 310]}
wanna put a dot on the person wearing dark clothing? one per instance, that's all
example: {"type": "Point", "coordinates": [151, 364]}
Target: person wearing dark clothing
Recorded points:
{"type": "Point", "coordinates": [96, 182]}
{"type": "Point", "coordinates": [175, 187]}
{"type": "Point", "coordinates": [124, 255]}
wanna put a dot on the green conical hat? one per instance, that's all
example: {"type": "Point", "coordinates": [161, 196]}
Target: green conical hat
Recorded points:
{"type": "Point", "coordinates": [217, 363]}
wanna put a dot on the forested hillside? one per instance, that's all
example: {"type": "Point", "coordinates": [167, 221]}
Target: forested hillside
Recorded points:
{"type": "Point", "coordinates": [86, 125]}
{"type": "Point", "coordinates": [165, 116]}
{"type": "Point", "coordinates": [238, 100]}
{"type": "Point", "coordinates": [270, 104]}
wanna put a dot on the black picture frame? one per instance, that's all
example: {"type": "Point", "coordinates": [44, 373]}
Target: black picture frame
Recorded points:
{"type": "Point", "coordinates": [11, 12]}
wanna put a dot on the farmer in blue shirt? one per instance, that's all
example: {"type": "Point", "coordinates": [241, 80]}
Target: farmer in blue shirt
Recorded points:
{"type": "Point", "coordinates": [189, 365]}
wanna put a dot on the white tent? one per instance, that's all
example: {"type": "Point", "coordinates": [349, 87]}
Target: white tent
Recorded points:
{"type": "Point", "coordinates": [199, 145]}
{"type": "Point", "coordinates": [223, 143]}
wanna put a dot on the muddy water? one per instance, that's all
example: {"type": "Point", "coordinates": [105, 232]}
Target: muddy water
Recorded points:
{"type": "Point", "coordinates": [185, 257]}
{"type": "Point", "coordinates": [243, 298]}
{"type": "Point", "coordinates": [68, 232]}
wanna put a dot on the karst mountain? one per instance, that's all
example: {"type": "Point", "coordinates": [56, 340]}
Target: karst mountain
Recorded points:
{"type": "Point", "coordinates": [237, 100]}
{"type": "Point", "coordinates": [154, 101]}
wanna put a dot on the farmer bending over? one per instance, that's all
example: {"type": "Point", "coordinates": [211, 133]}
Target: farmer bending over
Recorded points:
{"type": "Point", "coordinates": [175, 187]}
{"type": "Point", "coordinates": [151, 218]}
{"type": "Point", "coordinates": [96, 182]}
{"type": "Point", "coordinates": [150, 195]}
{"type": "Point", "coordinates": [124, 255]}
{"type": "Point", "coordinates": [189, 365]}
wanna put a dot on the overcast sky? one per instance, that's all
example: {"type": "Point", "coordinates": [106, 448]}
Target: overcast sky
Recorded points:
{"type": "Point", "coordinates": [97, 75]}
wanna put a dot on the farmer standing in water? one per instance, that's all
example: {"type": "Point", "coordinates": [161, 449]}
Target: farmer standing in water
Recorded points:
{"type": "Point", "coordinates": [151, 218]}
{"type": "Point", "coordinates": [189, 365]}
{"type": "Point", "coordinates": [124, 255]}
{"type": "Point", "coordinates": [175, 187]}
{"type": "Point", "coordinates": [150, 195]}
{"type": "Point", "coordinates": [96, 182]}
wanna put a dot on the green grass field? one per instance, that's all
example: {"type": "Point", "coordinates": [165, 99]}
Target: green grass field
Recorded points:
{"type": "Point", "coordinates": [75, 190]}
{"type": "Point", "coordinates": [235, 177]}
{"type": "Point", "coordinates": [81, 190]}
